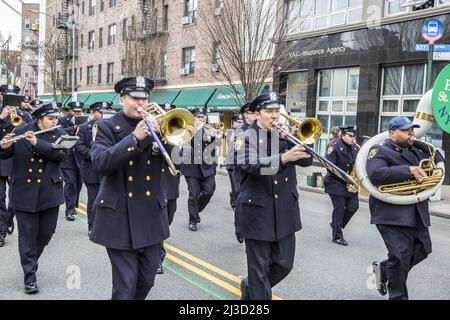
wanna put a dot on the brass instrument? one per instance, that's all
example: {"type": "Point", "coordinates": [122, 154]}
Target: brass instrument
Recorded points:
{"type": "Point", "coordinates": [354, 188]}
{"type": "Point", "coordinates": [19, 137]}
{"type": "Point", "coordinates": [413, 186]}
{"type": "Point", "coordinates": [15, 119]}
{"type": "Point", "coordinates": [177, 125]}
{"type": "Point", "coordinates": [213, 130]}
{"type": "Point", "coordinates": [309, 131]}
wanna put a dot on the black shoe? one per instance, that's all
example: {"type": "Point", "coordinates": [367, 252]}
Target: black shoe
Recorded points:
{"type": "Point", "coordinates": [340, 241]}
{"type": "Point", "coordinates": [70, 218]}
{"type": "Point", "coordinates": [10, 228]}
{"type": "Point", "coordinates": [239, 239]}
{"type": "Point", "coordinates": [244, 293]}
{"type": "Point", "coordinates": [2, 241]}
{"type": "Point", "coordinates": [380, 277]}
{"type": "Point", "coordinates": [198, 220]}
{"type": "Point", "coordinates": [31, 288]}
{"type": "Point", "coordinates": [160, 269]}
{"type": "Point", "coordinates": [192, 227]}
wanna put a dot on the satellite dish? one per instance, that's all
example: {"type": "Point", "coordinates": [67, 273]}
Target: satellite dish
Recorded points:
{"type": "Point", "coordinates": [407, 3]}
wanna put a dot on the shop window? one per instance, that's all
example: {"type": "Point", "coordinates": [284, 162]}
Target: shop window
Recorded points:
{"type": "Point", "coordinates": [297, 87]}
{"type": "Point", "coordinates": [395, 7]}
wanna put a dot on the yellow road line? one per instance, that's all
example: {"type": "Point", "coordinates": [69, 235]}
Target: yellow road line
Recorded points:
{"type": "Point", "coordinates": [81, 204]}
{"type": "Point", "coordinates": [81, 211]}
{"type": "Point", "coordinates": [208, 266]}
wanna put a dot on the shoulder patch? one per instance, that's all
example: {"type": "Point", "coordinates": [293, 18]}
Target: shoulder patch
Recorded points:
{"type": "Point", "coordinates": [330, 150]}
{"type": "Point", "coordinates": [94, 131]}
{"type": "Point", "coordinates": [372, 153]}
{"type": "Point", "coordinates": [238, 143]}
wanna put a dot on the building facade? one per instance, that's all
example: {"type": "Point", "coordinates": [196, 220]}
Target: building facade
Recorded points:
{"type": "Point", "coordinates": [30, 48]}
{"type": "Point", "coordinates": [356, 62]}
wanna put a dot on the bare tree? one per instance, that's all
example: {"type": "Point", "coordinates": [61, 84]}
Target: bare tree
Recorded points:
{"type": "Point", "coordinates": [10, 60]}
{"type": "Point", "coordinates": [56, 52]}
{"type": "Point", "coordinates": [240, 38]}
{"type": "Point", "coordinates": [146, 44]}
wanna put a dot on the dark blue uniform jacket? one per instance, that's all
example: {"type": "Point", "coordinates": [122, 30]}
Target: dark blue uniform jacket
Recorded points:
{"type": "Point", "coordinates": [82, 151]}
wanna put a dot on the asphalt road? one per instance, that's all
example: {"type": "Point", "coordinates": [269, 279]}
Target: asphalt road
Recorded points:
{"type": "Point", "coordinates": [209, 263]}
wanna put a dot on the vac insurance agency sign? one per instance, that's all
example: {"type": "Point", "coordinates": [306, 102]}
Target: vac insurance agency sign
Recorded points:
{"type": "Point", "coordinates": [441, 99]}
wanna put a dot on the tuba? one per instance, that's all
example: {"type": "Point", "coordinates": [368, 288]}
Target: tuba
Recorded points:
{"type": "Point", "coordinates": [410, 191]}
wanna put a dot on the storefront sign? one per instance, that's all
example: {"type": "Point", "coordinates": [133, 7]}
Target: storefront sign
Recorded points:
{"type": "Point", "coordinates": [441, 99]}
{"type": "Point", "coordinates": [317, 52]}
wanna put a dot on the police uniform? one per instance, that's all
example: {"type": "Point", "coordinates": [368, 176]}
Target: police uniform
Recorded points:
{"type": "Point", "coordinates": [199, 169]}
{"type": "Point", "coordinates": [24, 111]}
{"type": "Point", "coordinates": [130, 208]}
{"type": "Point", "coordinates": [244, 109]}
{"type": "Point", "coordinates": [82, 152]}
{"type": "Point", "coordinates": [345, 203]}
{"type": "Point", "coordinates": [231, 138]}
{"type": "Point", "coordinates": [71, 171]}
{"type": "Point", "coordinates": [6, 214]}
{"type": "Point", "coordinates": [269, 213]}
{"type": "Point", "coordinates": [404, 228]}
{"type": "Point", "coordinates": [36, 191]}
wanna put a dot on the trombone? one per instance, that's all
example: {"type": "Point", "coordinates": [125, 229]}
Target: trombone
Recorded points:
{"type": "Point", "coordinates": [309, 131]}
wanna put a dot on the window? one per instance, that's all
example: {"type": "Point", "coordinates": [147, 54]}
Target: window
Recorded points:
{"type": "Point", "coordinates": [112, 3]}
{"type": "Point", "coordinates": [99, 74]}
{"type": "Point", "coordinates": [190, 9]}
{"type": "Point", "coordinates": [90, 75]}
{"type": "Point", "coordinates": [395, 7]}
{"type": "Point", "coordinates": [81, 41]}
{"type": "Point", "coordinates": [110, 72]}
{"type": "Point", "coordinates": [81, 74]}
{"type": "Point", "coordinates": [91, 40]}
{"type": "Point", "coordinates": [297, 87]}
{"type": "Point", "coordinates": [122, 67]}
{"type": "Point", "coordinates": [188, 62]}
{"type": "Point", "coordinates": [102, 5]}
{"type": "Point", "coordinates": [166, 17]}
{"type": "Point", "coordinates": [100, 37]}
{"type": "Point", "coordinates": [337, 99]}
{"type": "Point", "coordinates": [308, 15]}
{"type": "Point", "coordinates": [217, 62]}
{"type": "Point", "coordinates": [111, 34]}
{"type": "Point", "coordinates": [124, 30]}
{"type": "Point", "coordinates": [164, 66]}
{"type": "Point", "coordinates": [70, 77]}
{"type": "Point", "coordinates": [82, 7]}
{"type": "Point", "coordinates": [92, 7]}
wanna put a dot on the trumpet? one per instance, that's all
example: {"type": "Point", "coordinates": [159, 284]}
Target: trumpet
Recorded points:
{"type": "Point", "coordinates": [15, 119]}
{"type": "Point", "coordinates": [19, 137]}
{"type": "Point", "coordinates": [213, 130]}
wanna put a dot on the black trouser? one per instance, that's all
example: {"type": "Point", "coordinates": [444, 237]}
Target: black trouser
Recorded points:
{"type": "Point", "coordinates": [133, 272]}
{"type": "Point", "coordinates": [406, 247]}
{"type": "Point", "coordinates": [171, 208]}
{"type": "Point", "coordinates": [233, 194]}
{"type": "Point", "coordinates": [92, 191]}
{"type": "Point", "coordinates": [72, 188]}
{"type": "Point", "coordinates": [200, 192]}
{"type": "Point", "coordinates": [268, 263]}
{"type": "Point", "coordinates": [35, 232]}
{"type": "Point", "coordinates": [6, 214]}
{"type": "Point", "coordinates": [344, 209]}
{"type": "Point", "coordinates": [237, 181]}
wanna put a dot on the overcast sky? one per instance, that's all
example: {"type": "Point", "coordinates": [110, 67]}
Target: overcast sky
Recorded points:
{"type": "Point", "coordinates": [10, 21]}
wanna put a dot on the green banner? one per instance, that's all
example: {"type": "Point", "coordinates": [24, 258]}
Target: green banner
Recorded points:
{"type": "Point", "coordinates": [441, 99]}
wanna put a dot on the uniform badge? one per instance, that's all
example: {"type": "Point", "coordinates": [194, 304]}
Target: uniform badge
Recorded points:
{"type": "Point", "coordinates": [273, 96]}
{"type": "Point", "coordinates": [330, 150]}
{"type": "Point", "coordinates": [94, 131]}
{"type": "Point", "coordinates": [238, 143]}
{"type": "Point", "coordinates": [140, 82]}
{"type": "Point", "coordinates": [372, 153]}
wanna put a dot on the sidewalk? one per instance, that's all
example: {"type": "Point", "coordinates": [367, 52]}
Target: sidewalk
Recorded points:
{"type": "Point", "coordinates": [439, 208]}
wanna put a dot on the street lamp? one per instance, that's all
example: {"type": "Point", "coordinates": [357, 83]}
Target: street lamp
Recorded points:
{"type": "Point", "coordinates": [71, 26]}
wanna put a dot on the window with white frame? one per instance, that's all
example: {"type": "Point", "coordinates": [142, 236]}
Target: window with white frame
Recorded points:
{"type": "Point", "coordinates": [110, 72]}
{"type": "Point", "coordinates": [111, 34]}
{"type": "Point", "coordinates": [164, 66]}
{"type": "Point", "coordinates": [396, 7]}
{"type": "Point", "coordinates": [297, 87]}
{"type": "Point", "coordinates": [91, 40]}
{"type": "Point", "coordinates": [90, 75]}
{"type": "Point", "coordinates": [308, 15]}
{"type": "Point", "coordinates": [337, 100]}
{"type": "Point", "coordinates": [401, 89]}
{"type": "Point", "coordinates": [188, 62]}
{"type": "Point", "coordinates": [92, 4]}
{"type": "Point", "coordinates": [217, 62]}
{"type": "Point", "coordinates": [190, 9]}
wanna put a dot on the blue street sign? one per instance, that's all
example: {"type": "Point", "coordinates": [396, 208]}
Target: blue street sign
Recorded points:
{"type": "Point", "coordinates": [437, 47]}
{"type": "Point", "coordinates": [432, 30]}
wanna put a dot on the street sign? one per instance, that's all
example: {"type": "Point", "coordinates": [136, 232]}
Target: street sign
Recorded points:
{"type": "Point", "coordinates": [440, 99]}
{"type": "Point", "coordinates": [432, 30]}
{"type": "Point", "coordinates": [441, 56]}
{"type": "Point", "coordinates": [437, 47]}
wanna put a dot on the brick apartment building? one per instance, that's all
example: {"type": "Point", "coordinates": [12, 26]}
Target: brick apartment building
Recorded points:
{"type": "Point", "coordinates": [30, 48]}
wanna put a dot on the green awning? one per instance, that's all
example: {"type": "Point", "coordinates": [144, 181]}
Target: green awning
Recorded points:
{"type": "Point", "coordinates": [97, 97]}
{"type": "Point", "coordinates": [193, 98]}
{"type": "Point", "coordinates": [116, 105]}
{"type": "Point", "coordinates": [163, 96]}
{"type": "Point", "coordinates": [48, 98]}
{"type": "Point", "coordinates": [80, 97]}
{"type": "Point", "coordinates": [226, 99]}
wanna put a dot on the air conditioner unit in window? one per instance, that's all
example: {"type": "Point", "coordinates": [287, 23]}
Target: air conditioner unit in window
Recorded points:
{"type": "Point", "coordinates": [215, 67]}
{"type": "Point", "coordinates": [186, 19]}
{"type": "Point", "coordinates": [217, 11]}
{"type": "Point", "coordinates": [184, 71]}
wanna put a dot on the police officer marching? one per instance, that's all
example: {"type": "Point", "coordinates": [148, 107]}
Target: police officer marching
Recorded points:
{"type": "Point", "coordinates": [83, 154]}
{"type": "Point", "coordinates": [36, 187]}
{"type": "Point", "coordinates": [249, 116]}
{"type": "Point", "coordinates": [172, 186]}
{"type": "Point", "coordinates": [71, 172]}
{"type": "Point", "coordinates": [269, 213]}
{"type": "Point", "coordinates": [130, 209]}
{"type": "Point", "coordinates": [345, 202]}
{"type": "Point", "coordinates": [199, 167]}
{"type": "Point", "coordinates": [404, 228]}
{"type": "Point", "coordinates": [236, 123]}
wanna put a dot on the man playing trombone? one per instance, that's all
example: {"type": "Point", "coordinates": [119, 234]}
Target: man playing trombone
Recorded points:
{"type": "Point", "coordinates": [269, 213]}
{"type": "Point", "coordinates": [130, 209]}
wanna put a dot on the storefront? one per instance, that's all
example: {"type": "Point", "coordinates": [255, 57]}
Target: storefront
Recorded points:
{"type": "Point", "coordinates": [362, 77]}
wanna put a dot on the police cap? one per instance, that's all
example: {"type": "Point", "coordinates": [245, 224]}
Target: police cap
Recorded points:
{"type": "Point", "coordinates": [237, 118]}
{"type": "Point", "coordinates": [348, 129]}
{"type": "Point", "coordinates": [76, 105]}
{"type": "Point", "coordinates": [245, 108]}
{"type": "Point", "coordinates": [101, 105]}
{"type": "Point", "coordinates": [47, 109]}
{"type": "Point", "coordinates": [268, 100]}
{"type": "Point", "coordinates": [26, 99]}
{"type": "Point", "coordinates": [138, 87]}
{"type": "Point", "coordinates": [9, 88]}
{"type": "Point", "coordinates": [199, 111]}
